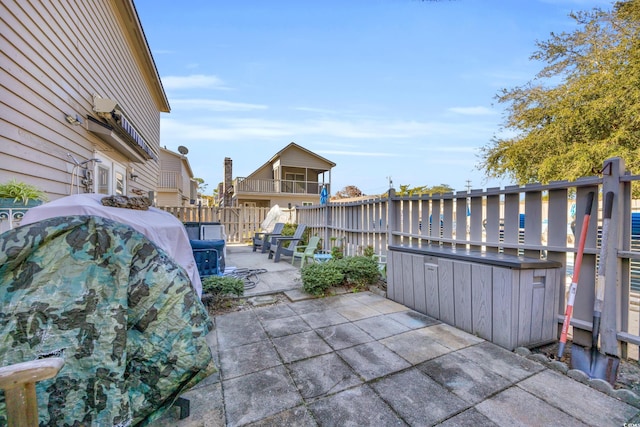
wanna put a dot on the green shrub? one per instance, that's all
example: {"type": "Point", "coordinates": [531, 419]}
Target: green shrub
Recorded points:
{"type": "Point", "coordinates": [357, 272]}
{"type": "Point", "coordinates": [289, 230]}
{"type": "Point", "coordinates": [336, 252]}
{"type": "Point", "coordinates": [360, 271]}
{"type": "Point", "coordinates": [217, 288]}
{"type": "Point", "coordinates": [369, 252]}
{"type": "Point", "coordinates": [317, 278]}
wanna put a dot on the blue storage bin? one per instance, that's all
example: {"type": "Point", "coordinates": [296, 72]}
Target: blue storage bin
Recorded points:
{"type": "Point", "coordinates": [209, 256]}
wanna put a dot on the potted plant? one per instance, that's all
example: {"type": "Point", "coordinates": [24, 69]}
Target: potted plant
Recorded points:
{"type": "Point", "coordinates": [20, 194]}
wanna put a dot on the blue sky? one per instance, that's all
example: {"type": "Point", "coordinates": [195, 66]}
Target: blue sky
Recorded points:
{"type": "Point", "coordinates": [383, 88]}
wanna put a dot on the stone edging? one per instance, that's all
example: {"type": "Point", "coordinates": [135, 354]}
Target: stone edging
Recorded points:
{"type": "Point", "coordinates": [603, 386]}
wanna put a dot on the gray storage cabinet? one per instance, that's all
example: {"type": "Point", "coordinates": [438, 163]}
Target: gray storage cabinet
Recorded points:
{"type": "Point", "coordinates": [509, 300]}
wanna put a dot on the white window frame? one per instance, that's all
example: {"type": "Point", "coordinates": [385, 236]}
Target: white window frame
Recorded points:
{"type": "Point", "coordinates": [113, 168]}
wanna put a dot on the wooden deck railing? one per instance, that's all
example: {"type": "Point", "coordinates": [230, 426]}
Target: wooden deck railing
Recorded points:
{"type": "Point", "coordinates": [270, 186]}
{"type": "Point", "coordinates": [170, 179]}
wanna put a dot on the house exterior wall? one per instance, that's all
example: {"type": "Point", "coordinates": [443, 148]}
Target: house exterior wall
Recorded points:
{"type": "Point", "coordinates": [55, 56]}
{"type": "Point", "coordinates": [175, 187]}
{"type": "Point", "coordinates": [280, 200]}
{"type": "Point", "coordinates": [185, 190]}
{"type": "Point", "coordinates": [296, 157]}
{"type": "Point", "coordinates": [166, 198]}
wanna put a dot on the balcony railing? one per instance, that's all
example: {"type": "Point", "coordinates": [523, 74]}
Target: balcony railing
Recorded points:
{"type": "Point", "coordinates": [270, 186]}
{"type": "Point", "coordinates": [170, 179]}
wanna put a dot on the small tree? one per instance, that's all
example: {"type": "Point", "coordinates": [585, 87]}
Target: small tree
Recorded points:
{"type": "Point", "coordinates": [582, 107]}
{"type": "Point", "coordinates": [349, 191]}
{"type": "Point", "coordinates": [406, 190]}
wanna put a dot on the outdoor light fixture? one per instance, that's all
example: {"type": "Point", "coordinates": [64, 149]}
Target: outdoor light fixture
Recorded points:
{"type": "Point", "coordinates": [132, 175]}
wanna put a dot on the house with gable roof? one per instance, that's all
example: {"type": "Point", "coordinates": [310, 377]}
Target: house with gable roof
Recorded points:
{"type": "Point", "coordinates": [294, 175]}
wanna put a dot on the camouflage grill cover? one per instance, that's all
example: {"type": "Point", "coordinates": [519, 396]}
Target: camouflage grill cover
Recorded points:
{"type": "Point", "coordinates": [121, 313]}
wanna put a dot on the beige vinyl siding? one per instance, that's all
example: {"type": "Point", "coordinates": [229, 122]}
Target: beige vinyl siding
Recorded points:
{"type": "Point", "coordinates": [186, 185]}
{"type": "Point", "coordinates": [299, 158]}
{"type": "Point", "coordinates": [55, 55]}
{"type": "Point", "coordinates": [169, 162]}
{"type": "Point", "coordinates": [168, 199]}
{"type": "Point", "coordinates": [263, 173]}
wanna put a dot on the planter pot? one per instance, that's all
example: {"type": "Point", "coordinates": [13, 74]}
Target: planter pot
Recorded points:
{"type": "Point", "coordinates": [11, 204]}
{"type": "Point", "coordinates": [11, 212]}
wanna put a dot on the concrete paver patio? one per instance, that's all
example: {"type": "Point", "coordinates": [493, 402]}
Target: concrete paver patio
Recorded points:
{"type": "Point", "coordinates": [359, 359]}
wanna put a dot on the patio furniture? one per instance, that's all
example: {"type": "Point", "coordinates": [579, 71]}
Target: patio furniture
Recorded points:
{"type": "Point", "coordinates": [18, 381]}
{"type": "Point", "coordinates": [277, 246]}
{"type": "Point", "coordinates": [382, 265]}
{"type": "Point", "coordinates": [322, 257]}
{"type": "Point", "coordinates": [305, 252]}
{"type": "Point", "coordinates": [263, 239]}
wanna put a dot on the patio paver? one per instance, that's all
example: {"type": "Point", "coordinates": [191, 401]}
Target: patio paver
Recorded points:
{"type": "Point", "coordinates": [323, 375]}
{"type": "Point", "coordinates": [358, 406]}
{"type": "Point", "coordinates": [411, 394]}
{"type": "Point", "coordinates": [362, 360]}
{"type": "Point", "coordinates": [373, 360]}
{"type": "Point", "coordinates": [344, 335]}
{"type": "Point", "coordinates": [258, 395]}
{"type": "Point", "coordinates": [300, 346]}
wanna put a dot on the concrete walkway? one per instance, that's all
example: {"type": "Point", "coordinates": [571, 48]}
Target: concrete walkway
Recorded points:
{"type": "Point", "coordinates": [359, 359]}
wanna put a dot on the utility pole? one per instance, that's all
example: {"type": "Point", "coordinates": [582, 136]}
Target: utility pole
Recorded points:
{"type": "Point", "coordinates": [468, 185]}
{"type": "Point", "coordinates": [390, 182]}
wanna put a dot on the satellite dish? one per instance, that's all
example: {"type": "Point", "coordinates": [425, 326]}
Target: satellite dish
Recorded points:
{"type": "Point", "coordinates": [183, 150]}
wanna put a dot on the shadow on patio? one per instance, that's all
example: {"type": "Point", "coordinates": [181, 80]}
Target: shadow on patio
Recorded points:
{"type": "Point", "coordinates": [360, 359]}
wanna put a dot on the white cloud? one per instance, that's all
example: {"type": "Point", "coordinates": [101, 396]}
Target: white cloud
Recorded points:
{"type": "Point", "coordinates": [215, 105]}
{"type": "Point", "coordinates": [220, 127]}
{"type": "Point", "coordinates": [195, 81]}
{"type": "Point", "coordinates": [443, 148]}
{"type": "Point", "coordinates": [473, 111]}
{"type": "Point", "coordinates": [175, 130]}
{"type": "Point", "coordinates": [356, 153]}
{"type": "Point", "coordinates": [315, 110]}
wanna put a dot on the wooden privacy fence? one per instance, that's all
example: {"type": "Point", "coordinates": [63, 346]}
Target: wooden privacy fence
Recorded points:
{"type": "Point", "coordinates": [534, 221]}
{"type": "Point", "coordinates": [240, 223]}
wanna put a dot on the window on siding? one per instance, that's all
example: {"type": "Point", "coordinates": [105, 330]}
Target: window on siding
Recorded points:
{"type": "Point", "coordinates": [294, 183]}
{"type": "Point", "coordinates": [103, 179]}
{"type": "Point", "coordinates": [120, 179]}
{"type": "Point", "coordinates": [111, 177]}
